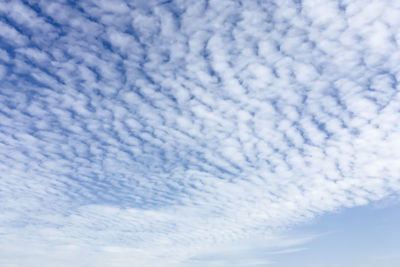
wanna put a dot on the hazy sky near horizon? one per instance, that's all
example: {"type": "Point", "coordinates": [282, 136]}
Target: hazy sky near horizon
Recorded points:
{"type": "Point", "coordinates": [197, 133]}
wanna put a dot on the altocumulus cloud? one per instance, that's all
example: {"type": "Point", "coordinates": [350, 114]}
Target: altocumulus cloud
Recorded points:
{"type": "Point", "coordinates": [145, 133]}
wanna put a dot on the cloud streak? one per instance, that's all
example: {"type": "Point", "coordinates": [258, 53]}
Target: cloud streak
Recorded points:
{"type": "Point", "coordinates": [161, 128]}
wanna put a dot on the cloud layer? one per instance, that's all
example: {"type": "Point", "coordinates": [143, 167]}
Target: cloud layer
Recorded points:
{"type": "Point", "coordinates": [152, 130]}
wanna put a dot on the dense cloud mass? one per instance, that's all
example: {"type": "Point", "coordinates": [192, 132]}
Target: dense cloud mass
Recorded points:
{"type": "Point", "coordinates": [143, 133]}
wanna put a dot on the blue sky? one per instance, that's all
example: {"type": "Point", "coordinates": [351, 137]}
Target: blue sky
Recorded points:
{"type": "Point", "coordinates": [363, 236]}
{"type": "Point", "coordinates": [199, 133]}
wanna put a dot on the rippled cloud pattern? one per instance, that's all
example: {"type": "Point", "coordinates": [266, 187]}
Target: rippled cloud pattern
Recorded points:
{"type": "Point", "coordinates": [144, 133]}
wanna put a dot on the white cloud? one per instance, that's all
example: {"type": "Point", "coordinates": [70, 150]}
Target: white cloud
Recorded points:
{"type": "Point", "coordinates": [143, 134]}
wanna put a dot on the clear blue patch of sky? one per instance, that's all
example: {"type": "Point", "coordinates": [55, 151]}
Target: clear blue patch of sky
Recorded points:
{"type": "Point", "coordinates": [366, 236]}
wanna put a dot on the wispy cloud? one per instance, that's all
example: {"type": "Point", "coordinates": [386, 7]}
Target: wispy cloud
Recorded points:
{"type": "Point", "coordinates": [148, 131]}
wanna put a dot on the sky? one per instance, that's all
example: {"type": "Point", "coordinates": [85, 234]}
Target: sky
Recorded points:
{"type": "Point", "coordinates": [199, 133]}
